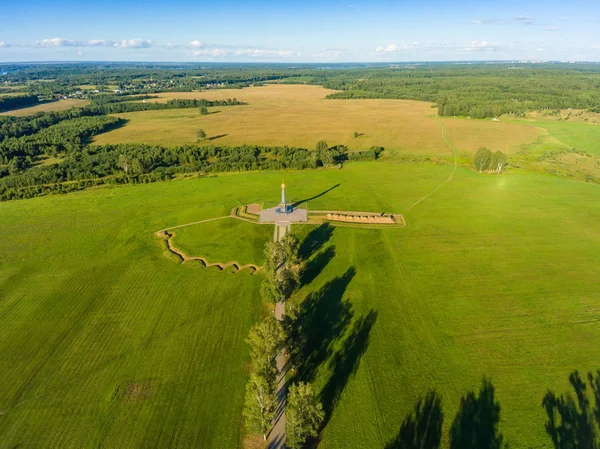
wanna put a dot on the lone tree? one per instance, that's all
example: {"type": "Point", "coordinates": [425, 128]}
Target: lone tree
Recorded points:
{"type": "Point", "coordinates": [203, 110]}
{"type": "Point", "coordinates": [259, 407]}
{"type": "Point", "coordinates": [304, 415]}
{"type": "Point", "coordinates": [201, 134]}
{"type": "Point", "coordinates": [482, 159]}
{"type": "Point", "coordinates": [356, 134]}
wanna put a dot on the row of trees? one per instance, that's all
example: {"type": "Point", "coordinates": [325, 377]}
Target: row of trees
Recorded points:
{"type": "Point", "coordinates": [304, 413]}
{"type": "Point", "coordinates": [485, 159]}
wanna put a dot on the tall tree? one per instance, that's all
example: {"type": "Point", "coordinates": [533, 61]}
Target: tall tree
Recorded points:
{"type": "Point", "coordinates": [265, 340]}
{"type": "Point", "coordinates": [203, 110]}
{"type": "Point", "coordinates": [304, 415]}
{"type": "Point", "coordinates": [321, 146]}
{"type": "Point", "coordinates": [259, 407]}
{"type": "Point", "coordinates": [201, 134]}
{"type": "Point", "coordinates": [482, 159]}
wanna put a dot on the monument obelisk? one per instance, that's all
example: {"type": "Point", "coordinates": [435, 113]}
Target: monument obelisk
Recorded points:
{"type": "Point", "coordinates": [283, 206]}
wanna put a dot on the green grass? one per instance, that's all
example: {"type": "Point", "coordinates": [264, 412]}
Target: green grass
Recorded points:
{"type": "Point", "coordinates": [225, 241]}
{"type": "Point", "coordinates": [579, 135]}
{"type": "Point", "coordinates": [494, 275]}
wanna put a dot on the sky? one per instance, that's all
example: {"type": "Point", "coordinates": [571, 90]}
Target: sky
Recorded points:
{"type": "Point", "coordinates": [299, 31]}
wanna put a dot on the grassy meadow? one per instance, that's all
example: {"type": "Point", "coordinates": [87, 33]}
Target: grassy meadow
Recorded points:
{"type": "Point", "coordinates": [212, 240]}
{"type": "Point", "coordinates": [104, 342]}
{"type": "Point", "coordinates": [298, 115]}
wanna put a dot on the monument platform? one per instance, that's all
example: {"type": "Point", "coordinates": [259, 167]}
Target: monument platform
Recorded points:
{"type": "Point", "coordinates": [275, 215]}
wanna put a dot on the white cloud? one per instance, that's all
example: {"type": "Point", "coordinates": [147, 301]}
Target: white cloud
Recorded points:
{"type": "Point", "coordinates": [101, 43]}
{"type": "Point", "coordinates": [552, 28]}
{"type": "Point", "coordinates": [60, 42]}
{"type": "Point", "coordinates": [485, 22]}
{"type": "Point", "coordinates": [525, 20]}
{"type": "Point", "coordinates": [596, 47]}
{"type": "Point", "coordinates": [3, 44]}
{"type": "Point", "coordinates": [196, 44]}
{"type": "Point", "coordinates": [478, 46]}
{"type": "Point", "coordinates": [393, 48]}
{"type": "Point", "coordinates": [256, 53]}
{"type": "Point", "coordinates": [540, 49]}
{"type": "Point", "coordinates": [134, 43]}
{"type": "Point", "coordinates": [242, 52]}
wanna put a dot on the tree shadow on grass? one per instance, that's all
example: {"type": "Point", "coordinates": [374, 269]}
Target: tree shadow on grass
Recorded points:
{"type": "Point", "coordinates": [319, 321]}
{"type": "Point", "coordinates": [299, 202]}
{"type": "Point", "coordinates": [345, 361]}
{"type": "Point", "coordinates": [216, 137]}
{"type": "Point", "coordinates": [315, 265]}
{"type": "Point", "coordinates": [571, 421]}
{"type": "Point", "coordinates": [422, 428]}
{"type": "Point", "coordinates": [476, 423]}
{"type": "Point", "coordinates": [315, 240]}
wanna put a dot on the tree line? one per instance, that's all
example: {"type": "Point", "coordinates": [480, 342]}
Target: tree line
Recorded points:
{"type": "Point", "coordinates": [16, 102]}
{"type": "Point", "coordinates": [11, 126]}
{"type": "Point", "coordinates": [304, 413]}
{"type": "Point", "coordinates": [85, 165]}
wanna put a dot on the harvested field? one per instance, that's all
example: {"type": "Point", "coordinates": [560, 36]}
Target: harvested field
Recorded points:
{"type": "Point", "coordinates": [299, 115]}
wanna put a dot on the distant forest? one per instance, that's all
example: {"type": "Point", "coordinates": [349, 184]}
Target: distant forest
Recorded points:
{"type": "Point", "coordinates": [474, 90]}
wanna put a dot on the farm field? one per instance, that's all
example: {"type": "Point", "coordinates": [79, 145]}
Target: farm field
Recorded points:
{"type": "Point", "coordinates": [51, 106]}
{"type": "Point", "coordinates": [494, 275]}
{"type": "Point", "coordinates": [298, 115]}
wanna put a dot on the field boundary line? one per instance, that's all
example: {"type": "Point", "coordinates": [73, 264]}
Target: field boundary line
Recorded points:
{"type": "Point", "coordinates": [451, 174]}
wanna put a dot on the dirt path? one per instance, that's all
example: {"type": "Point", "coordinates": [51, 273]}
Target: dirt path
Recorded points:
{"type": "Point", "coordinates": [168, 237]}
{"type": "Point", "coordinates": [451, 174]}
{"type": "Point", "coordinates": [277, 435]}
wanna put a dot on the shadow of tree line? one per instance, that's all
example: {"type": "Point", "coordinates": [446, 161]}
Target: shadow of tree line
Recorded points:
{"type": "Point", "coordinates": [474, 427]}
{"type": "Point", "coordinates": [324, 329]}
{"type": "Point", "coordinates": [325, 321]}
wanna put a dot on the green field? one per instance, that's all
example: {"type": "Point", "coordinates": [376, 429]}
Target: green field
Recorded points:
{"type": "Point", "coordinates": [225, 241]}
{"type": "Point", "coordinates": [580, 135]}
{"type": "Point", "coordinates": [105, 342]}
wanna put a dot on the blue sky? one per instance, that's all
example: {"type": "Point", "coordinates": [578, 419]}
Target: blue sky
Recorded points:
{"type": "Point", "coordinates": [299, 31]}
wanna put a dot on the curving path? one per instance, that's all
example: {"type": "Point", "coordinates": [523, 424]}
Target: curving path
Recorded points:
{"type": "Point", "coordinates": [168, 236]}
{"type": "Point", "coordinates": [451, 174]}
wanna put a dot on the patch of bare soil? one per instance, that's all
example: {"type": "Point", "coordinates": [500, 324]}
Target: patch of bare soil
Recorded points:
{"type": "Point", "coordinates": [139, 391]}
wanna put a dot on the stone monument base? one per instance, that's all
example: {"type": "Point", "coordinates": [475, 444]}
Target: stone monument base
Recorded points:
{"type": "Point", "coordinates": [278, 215]}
